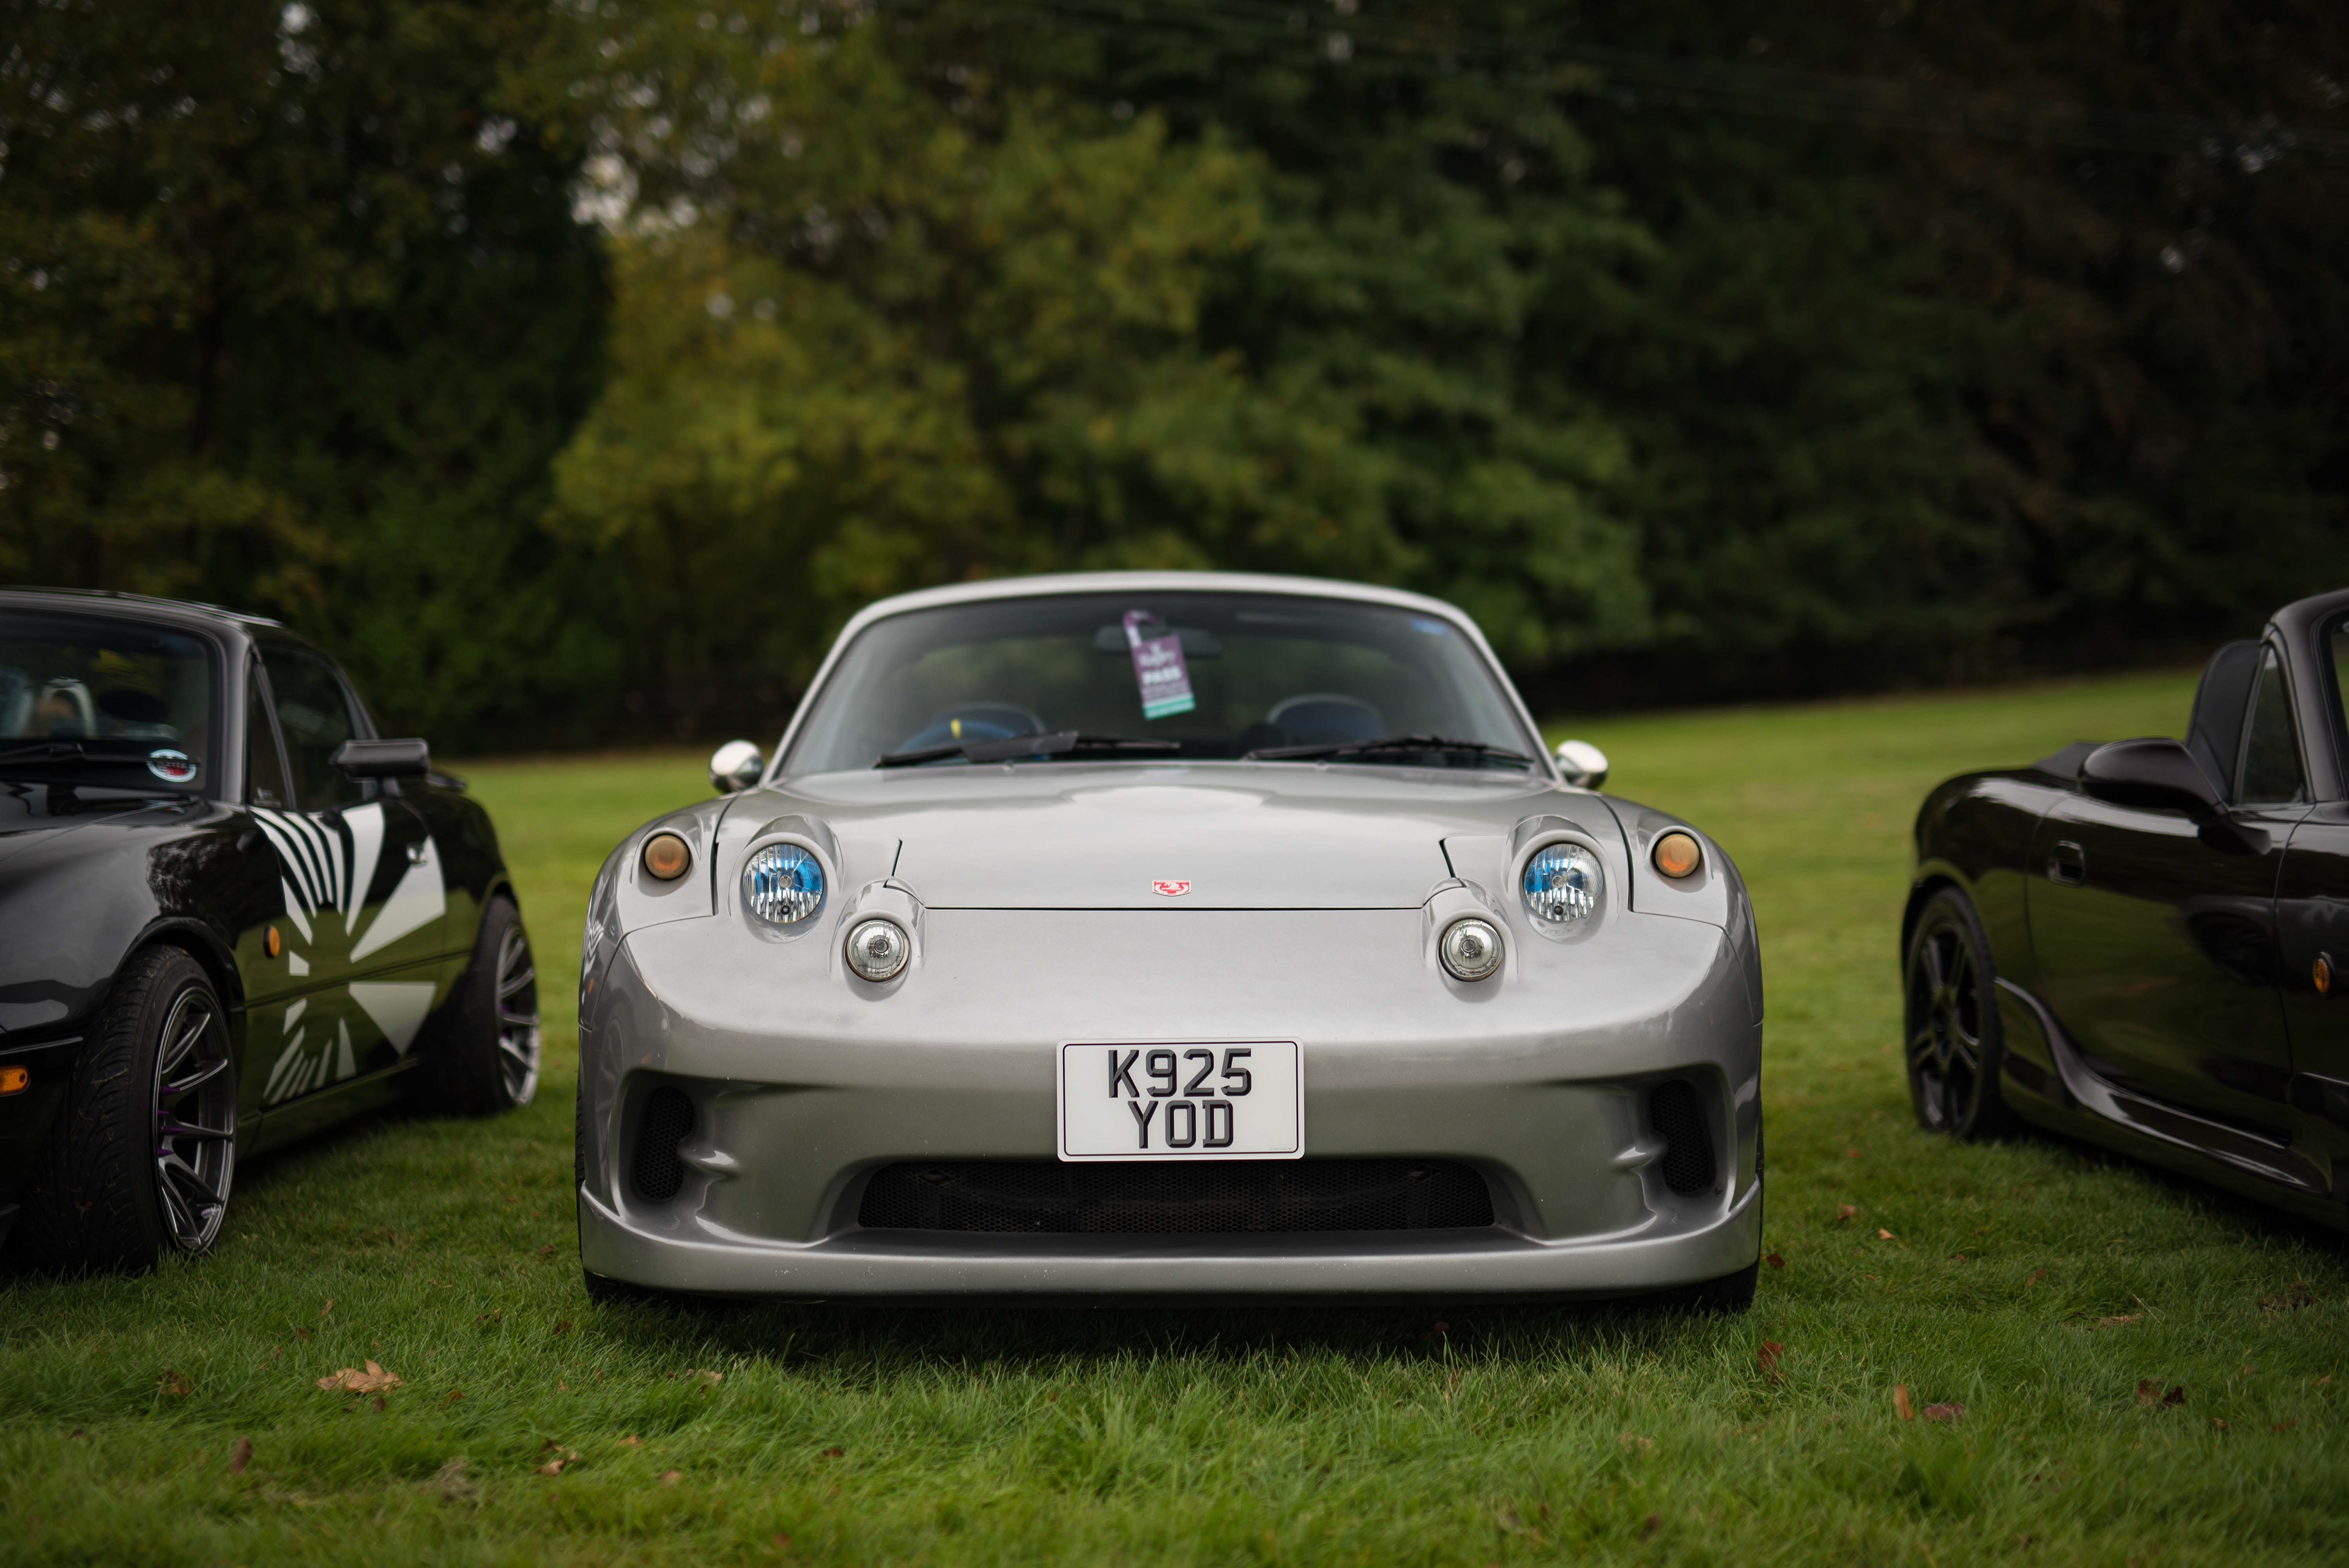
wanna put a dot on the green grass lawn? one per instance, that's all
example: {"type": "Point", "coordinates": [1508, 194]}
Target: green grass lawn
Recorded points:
{"type": "Point", "coordinates": [2038, 1285]}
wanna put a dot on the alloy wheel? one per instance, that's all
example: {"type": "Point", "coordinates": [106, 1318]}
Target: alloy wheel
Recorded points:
{"type": "Point", "coordinates": [1945, 1025]}
{"type": "Point", "coordinates": [194, 1119]}
{"type": "Point", "coordinates": [518, 1032]}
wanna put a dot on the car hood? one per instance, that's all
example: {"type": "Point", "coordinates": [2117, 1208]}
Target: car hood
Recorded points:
{"type": "Point", "coordinates": [1228, 836]}
{"type": "Point", "coordinates": [32, 815]}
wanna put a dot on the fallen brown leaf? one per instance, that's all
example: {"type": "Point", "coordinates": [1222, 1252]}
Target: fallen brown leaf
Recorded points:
{"type": "Point", "coordinates": [2292, 1298]}
{"type": "Point", "coordinates": [172, 1383]}
{"type": "Point", "coordinates": [554, 1467]}
{"type": "Point", "coordinates": [1900, 1402]}
{"type": "Point", "coordinates": [454, 1395]}
{"type": "Point", "coordinates": [2217, 1424]}
{"type": "Point", "coordinates": [378, 1404]}
{"type": "Point", "coordinates": [547, 1251]}
{"type": "Point", "coordinates": [562, 1327]}
{"type": "Point", "coordinates": [454, 1487]}
{"type": "Point", "coordinates": [1957, 1257]}
{"type": "Point", "coordinates": [328, 1308]}
{"type": "Point", "coordinates": [783, 1541]}
{"type": "Point", "coordinates": [832, 1453]}
{"type": "Point", "coordinates": [632, 1441]}
{"type": "Point", "coordinates": [1774, 1261]}
{"type": "Point", "coordinates": [670, 1477]}
{"type": "Point", "coordinates": [1845, 1212]}
{"type": "Point", "coordinates": [1882, 1235]}
{"type": "Point", "coordinates": [2149, 1393]}
{"type": "Point", "coordinates": [1633, 1440]}
{"type": "Point", "coordinates": [1767, 1358]}
{"type": "Point", "coordinates": [1851, 1154]}
{"type": "Point", "coordinates": [2036, 1275]}
{"type": "Point", "coordinates": [1649, 1527]}
{"type": "Point", "coordinates": [1953, 1413]}
{"type": "Point", "coordinates": [240, 1456]}
{"type": "Point", "coordinates": [374, 1380]}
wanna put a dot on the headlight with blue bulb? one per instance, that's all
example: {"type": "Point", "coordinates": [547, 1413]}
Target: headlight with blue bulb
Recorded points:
{"type": "Point", "coordinates": [1562, 884]}
{"type": "Point", "coordinates": [782, 885]}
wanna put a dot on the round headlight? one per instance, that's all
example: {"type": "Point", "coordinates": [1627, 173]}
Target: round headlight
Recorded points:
{"type": "Point", "coordinates": [1562, 884]}
{"type": "Point", "coordinates": [667, 856]}
{"type": "Point", "coordinates": [1676, 855]}
{"type": "Point", "coordinates": [1471, 949]}
{"type": "Point", "coordinates": [877, 950]}
{"type": "Point", "coordinates": [782, 885]}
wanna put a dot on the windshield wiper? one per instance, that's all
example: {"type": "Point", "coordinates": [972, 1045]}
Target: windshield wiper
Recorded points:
{"type": "Point", "coordinates": [1019, 748]}
{"type": "Point", "coordinates": [45, 752]}
{"type": "Point", "coordinates": [1391, 746]}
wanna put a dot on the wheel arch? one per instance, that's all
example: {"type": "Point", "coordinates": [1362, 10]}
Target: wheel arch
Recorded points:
{"type": "Point", "coordinates": [200, 942]}
{"type": "Point", "coordinates": [1929, 880]}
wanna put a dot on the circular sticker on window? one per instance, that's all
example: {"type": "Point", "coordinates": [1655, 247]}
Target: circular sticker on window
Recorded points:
{"type": "Point", "coordinates": [170, 766]}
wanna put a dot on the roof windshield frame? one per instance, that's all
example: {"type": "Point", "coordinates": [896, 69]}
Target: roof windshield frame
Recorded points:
{"type": "Point", "coordinates": [1478, 693]}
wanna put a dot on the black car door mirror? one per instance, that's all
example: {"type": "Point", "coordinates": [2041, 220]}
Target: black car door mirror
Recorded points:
{"type": "Point", "coordinates": [405, 759]}
{"type": "Point", "coordinates": [2158, 773]}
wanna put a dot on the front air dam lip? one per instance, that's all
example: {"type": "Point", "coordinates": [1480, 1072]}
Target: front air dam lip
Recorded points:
{"type": "Point", "coordinates": [919, 1266]}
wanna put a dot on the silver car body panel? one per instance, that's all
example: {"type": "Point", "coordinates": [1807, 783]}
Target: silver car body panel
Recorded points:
{"type": "Point", "coordinates": [1317, 895]}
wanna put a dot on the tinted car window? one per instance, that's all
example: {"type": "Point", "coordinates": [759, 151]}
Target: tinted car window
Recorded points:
{"type": "Point", "coordinates": [2339, 639]}
{"type": "Point", "coordinates": [264, 774]}
{"type": "Point", "coordinates": [120, 703]}
{"type": "Point", "coordinates": [2271, 749]}
{"type": "Point", "coordinates": [316, 718]}
{"type": "Point", "coordinates": [1257, 671]}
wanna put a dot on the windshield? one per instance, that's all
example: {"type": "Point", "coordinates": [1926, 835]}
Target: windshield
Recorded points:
{"type": "Point", "coordinates": [1202, 675]}
{"type": "Point", "coordinates": [104, 702]}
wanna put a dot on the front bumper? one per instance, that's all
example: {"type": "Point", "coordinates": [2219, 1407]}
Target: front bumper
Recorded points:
{"type": "Point", "coordinates": [803, 1086]}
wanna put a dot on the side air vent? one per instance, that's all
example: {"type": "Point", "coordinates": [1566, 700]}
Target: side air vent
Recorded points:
{"type": "Point", "coordinates": [1679, 1119]}
{"type": "Point", "coordinates": [666, 1120]}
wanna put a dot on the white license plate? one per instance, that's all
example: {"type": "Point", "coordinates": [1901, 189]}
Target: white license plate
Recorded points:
{"type": "Point", "coordinates": [1225, 1099]}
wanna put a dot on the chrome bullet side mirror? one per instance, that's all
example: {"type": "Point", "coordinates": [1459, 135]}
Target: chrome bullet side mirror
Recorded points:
{"type": "Point", "coordinates": [736, 766]}
{"type": "Point", "coordinates": [1582, 764]}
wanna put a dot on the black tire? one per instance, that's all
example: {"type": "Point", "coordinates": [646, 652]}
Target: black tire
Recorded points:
{"type": "Point", "coordinates": [137, 1165]}
{"type": "Point", "coordinates": [1953, 1043]}
{"type": "Point", "coordinates": [484, 1058]}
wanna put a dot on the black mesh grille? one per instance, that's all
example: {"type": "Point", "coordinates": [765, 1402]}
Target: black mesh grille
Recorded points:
{"type": "Point", "coordinates": [1680, 1122]}
{"type": "Point", "coordinates": [1043, 1196]}
{"type": "Point", "coordinates": [666, 1117]}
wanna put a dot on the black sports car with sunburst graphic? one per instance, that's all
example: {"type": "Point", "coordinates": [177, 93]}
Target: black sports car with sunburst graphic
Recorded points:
{"type": "Point", "coordinates": [231, 915]}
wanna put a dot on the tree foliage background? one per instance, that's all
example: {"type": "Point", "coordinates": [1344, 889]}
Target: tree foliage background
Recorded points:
{"type": "Point", "coordinates": [573, 370]}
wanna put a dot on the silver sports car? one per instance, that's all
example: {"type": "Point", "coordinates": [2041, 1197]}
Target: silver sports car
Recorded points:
{"type": "Point", "coordinates": [1168, 935]}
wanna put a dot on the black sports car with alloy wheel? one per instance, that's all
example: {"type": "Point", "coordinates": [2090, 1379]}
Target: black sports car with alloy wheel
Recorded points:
{"type": "Point", "coordinates": [2141, 943]}
{"type": "Point", "coordinates": [231, 914]}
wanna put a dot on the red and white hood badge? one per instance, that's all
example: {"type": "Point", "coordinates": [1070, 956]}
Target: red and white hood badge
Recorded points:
{"type": "Point", "coordinates": [1170, 889]}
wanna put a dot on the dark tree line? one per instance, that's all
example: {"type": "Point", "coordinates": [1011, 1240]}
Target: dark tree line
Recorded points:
{"type": "Point", "coordinates": [574, 371]}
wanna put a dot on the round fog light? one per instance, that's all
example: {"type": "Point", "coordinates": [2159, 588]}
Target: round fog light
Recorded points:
{"type": "Point", "coordinates": [877, 950]}
{"type": "Point", "coordinates": [1471, 949]}
{"type": "Point", "coordinates": [667, 856]}
{"type": "Point", "coordinates": [1676, 855]}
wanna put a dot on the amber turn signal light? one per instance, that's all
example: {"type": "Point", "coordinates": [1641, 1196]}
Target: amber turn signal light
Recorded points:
{"type": "Point", "coordinates": [665, 857]}
{"type": "Point", "coordinates": [2321, 975]}
{"type": "Point", "coordinates": [13, 1080]}
{"type": "Point", "coordinates": [271, 943]}
{"type": "Point", "coordinates": [1676, 855]}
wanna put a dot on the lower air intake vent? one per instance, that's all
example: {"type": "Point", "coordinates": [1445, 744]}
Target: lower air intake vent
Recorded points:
{"type": "Point", "coordinates": [666, 1118]}
{"type": "Point", "coordinates": [1044, 1197]}
{"type": "Point", "coordinates": [1679, 1120]}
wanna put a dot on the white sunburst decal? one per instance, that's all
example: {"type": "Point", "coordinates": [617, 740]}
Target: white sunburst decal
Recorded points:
{"type": "Point", "coordinates": [326, 871]}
